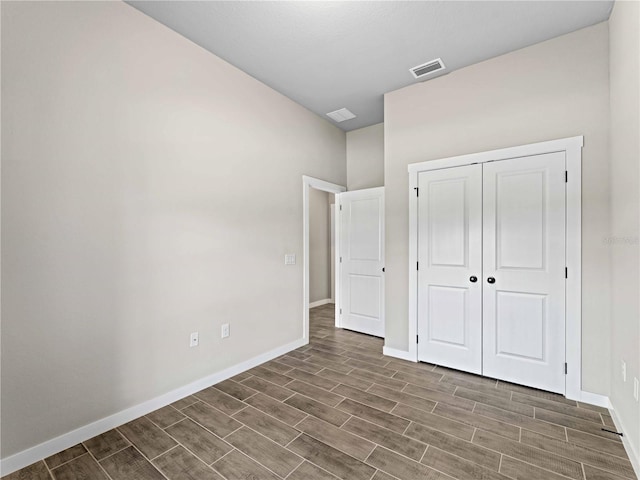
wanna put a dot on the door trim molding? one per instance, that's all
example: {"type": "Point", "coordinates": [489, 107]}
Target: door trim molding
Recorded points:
{"type": "Point", "coordinates": [573, 154]}
{"type": "Point", "coordinates": [307, 183]}
{"type": "Point", "coordinates": [395, 353]}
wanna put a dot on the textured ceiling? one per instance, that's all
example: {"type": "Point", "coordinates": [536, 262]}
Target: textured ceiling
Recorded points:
{"type": "Point", "coordinates": [332, 54]}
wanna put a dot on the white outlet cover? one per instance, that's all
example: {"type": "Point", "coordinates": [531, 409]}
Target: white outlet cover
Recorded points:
{"type": "Point", "coordinates": [224, 331]}
{"type": "Point", "coordinates": [290, 259]}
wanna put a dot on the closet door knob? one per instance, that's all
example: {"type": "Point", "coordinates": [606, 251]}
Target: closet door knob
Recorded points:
{"type": "Point", "coordinates": [473, 279]}
{"type": "Point", "coordinates": [491, 280]}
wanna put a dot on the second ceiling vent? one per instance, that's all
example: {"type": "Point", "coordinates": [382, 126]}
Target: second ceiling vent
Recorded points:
{"type": "Point", "coordinates": [341, 115]}
{"type": "Point", "coordinates": [427, 69]}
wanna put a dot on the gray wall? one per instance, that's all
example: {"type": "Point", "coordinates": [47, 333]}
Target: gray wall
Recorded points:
{"type": "Point", "coordinates": [149, 190]}
{"type": "Point", "coordinates": [319, 245]}
{"type": "Point", "coordinates": [624, 71]}
{"type": "Point", "coordinates": [365, 157]}
{"type": "Point", "coordinates": [555, 89]}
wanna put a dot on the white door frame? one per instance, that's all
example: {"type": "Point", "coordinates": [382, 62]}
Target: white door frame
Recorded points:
{"type": "Point", "coordinates": [307, 183]}
{"type": "Point", "coordinates": [573, 153]}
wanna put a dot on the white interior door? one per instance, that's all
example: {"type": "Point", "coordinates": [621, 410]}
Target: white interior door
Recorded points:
{"type": "Point", "coordinates": [362, 260]}
{"type": "Point", "coordinates": [524, 271]}
{"type": "Point", "coordinates": [450, 267]}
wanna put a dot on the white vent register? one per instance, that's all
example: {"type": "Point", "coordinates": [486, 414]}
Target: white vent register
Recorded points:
{"type": "Point", "coordinates": [427, 69]}
{"type": "Point", "coordinates": [341, 115]}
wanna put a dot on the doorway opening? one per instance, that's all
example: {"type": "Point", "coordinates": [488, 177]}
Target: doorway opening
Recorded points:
{"type": "Point", "coordinates": [321, 248]}
{"type": "Point", "coordinates": [312, 198]}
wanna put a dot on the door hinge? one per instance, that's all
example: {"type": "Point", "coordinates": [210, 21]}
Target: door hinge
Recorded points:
{"type": "Point", "coordinates": [340, 311]}
{"type": "Point", "coordinates": [565, 368]}
{"type": "Point", "coordinates": [417, 265]}
{"type": "Point", "coordinates": [566, 176]}
{"type": "Point", "coordinates": [417, 191]}
{"type": "Point", "coordinates": [566, 272]}
{"type": "Point", "coordinates": [340, 259]}
{"type": "Point", "coordinates": [382, 269]}
{"type": "Point", "coordinates": [417, 339]}
{"type": "Point", "coordinates": [340, 207]}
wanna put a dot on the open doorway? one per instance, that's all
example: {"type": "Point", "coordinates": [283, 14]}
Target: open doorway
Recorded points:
{"type": "Point", "coordinates": [317, 196]}
{"type": "Point", "coordinates": [321, 248]}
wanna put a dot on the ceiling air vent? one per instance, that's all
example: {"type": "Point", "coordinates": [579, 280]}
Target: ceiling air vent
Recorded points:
{"type": "Point", "coordinates": [428, 68]}
{"type": "Point", "coordinates": [340, 115]}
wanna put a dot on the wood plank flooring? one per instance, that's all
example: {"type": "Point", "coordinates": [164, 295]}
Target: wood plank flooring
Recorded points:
{"type": "Point", "coordinates": [338, 409]}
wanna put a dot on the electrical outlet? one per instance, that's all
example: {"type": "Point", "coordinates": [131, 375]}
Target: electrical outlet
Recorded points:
{"type": "Point", "coordinates": [194, 339]}
{"type": "Point", "coordinates": [635, 388]}
{"type": "Point", "coordinates": [290, 259]}
{"type": "Point", "coordinates": [224, 333]}
{"type": "Point", "coordinates": [624, 371]}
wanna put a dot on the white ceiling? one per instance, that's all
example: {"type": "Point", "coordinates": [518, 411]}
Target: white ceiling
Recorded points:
{"type": "Point", "coordinates": [333, 54]}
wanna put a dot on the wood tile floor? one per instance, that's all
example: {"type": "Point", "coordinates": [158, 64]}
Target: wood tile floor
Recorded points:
{"type": "Point", "coordinates": [337, 408]}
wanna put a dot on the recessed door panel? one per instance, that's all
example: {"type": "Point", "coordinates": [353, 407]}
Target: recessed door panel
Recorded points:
{"type": "Point", "coordinates": [448, 242]}
{"type": "Point", "coordinates": [364, 296]}
{"type": "Point", "coordinates": [520, 219]}
{"type": "Point", "coordinates": [521, 325]}
{"type": "Point", "coordinates": [364, 230]}
{"type": "Point", "coordinates": [362, 260]}
{"type": "Point", "coordinates": [448, 309]}
{"type": "Point", "coordinates": [449, 258]}
{"type": "Point", "coordinates": [524, 271]}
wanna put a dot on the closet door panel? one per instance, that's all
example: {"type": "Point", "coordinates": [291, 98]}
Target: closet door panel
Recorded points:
{"type": "Point", "coordinates": [449, 258]}
{"type": "Point", "coordinates": [524, 271]}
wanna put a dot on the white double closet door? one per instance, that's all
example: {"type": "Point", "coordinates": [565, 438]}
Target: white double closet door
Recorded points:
{"type": "Point", "coordinates": [491, 269]}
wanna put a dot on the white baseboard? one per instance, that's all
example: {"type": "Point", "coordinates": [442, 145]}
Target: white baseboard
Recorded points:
{"type": "Point", "coordinates": [632, 452]}
{"type": "Point", "coordinates": [319, 303]}
{"type": "Point", "coordinates": [401, 354]}
{"type": "Point", "coordinates": [593, 399]}
{"type": "Point", "coordinates": [27, 457]}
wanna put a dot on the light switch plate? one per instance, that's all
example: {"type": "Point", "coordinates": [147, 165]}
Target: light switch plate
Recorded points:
{"type": "Point", "coordinates": [194, 339]}
{"type": "Point", "coordinates": [290, 259]}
